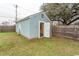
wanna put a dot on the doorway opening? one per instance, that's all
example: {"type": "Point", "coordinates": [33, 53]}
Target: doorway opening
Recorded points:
{"type": "Point", "coordinates": [41, 29]}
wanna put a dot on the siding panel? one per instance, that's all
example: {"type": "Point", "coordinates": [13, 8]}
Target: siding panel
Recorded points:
{"type": "Point", "coordinates": [25, 28]}
{"type": "Point", "coordinates": [34, 24]}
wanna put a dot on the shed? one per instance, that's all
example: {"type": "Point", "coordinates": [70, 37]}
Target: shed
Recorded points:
{"type": "Point", "coordinates": [34, 26]}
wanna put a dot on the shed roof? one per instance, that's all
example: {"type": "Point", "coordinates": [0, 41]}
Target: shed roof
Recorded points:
{"type": "Point", "coordinates": [28, 17]}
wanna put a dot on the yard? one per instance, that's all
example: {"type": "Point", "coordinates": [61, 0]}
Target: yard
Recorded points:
{"type": "Point", "coordinates": [16, 45]}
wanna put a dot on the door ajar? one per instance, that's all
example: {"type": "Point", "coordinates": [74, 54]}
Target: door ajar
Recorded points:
{"type": "Point", "coordinates": [47, 29]}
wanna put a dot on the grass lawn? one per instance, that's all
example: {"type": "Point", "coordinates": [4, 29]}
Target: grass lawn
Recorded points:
{"type": "Point", "coordinates": [16, 45]}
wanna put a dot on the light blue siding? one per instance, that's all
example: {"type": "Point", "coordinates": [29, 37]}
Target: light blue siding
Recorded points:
{"type": "Point", "coordinates": [34, 24]}
{"type": "Point", "coordinates": [25, 28]}
{"type": "Point", "coordinates": [30, 27]}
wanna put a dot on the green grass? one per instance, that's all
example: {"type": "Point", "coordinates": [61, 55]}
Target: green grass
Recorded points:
{"type": "Point", "coordinates": [12, 44]}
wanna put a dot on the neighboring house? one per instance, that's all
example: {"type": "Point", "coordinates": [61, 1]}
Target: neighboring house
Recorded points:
{"type": "Point", "coordinates": [34, 26]}
{"type": "Point", "coordinates": [75, 22]}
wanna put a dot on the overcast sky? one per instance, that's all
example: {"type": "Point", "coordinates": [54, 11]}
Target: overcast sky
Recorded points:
{"type": "Point", "coordinates": [27, 7]}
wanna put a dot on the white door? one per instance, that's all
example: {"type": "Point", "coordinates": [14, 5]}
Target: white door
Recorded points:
{"type": "Point", "coordinates": [47, 29]}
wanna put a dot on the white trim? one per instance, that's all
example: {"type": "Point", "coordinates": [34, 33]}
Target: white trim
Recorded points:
{"type": "Point", "coordinates": [46, 16]}
{"type": "Point", "coordinates": [39, 28]}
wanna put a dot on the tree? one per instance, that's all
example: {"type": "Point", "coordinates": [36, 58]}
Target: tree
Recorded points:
{"type": "Point", "coordinates": [75, 13]}
{"type": "Point", "coordinates": [5, 23]}
{"type": "Point", "coordinates": [60, 11]}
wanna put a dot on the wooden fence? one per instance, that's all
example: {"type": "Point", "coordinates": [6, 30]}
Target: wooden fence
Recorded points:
{"type": "Point", "coordinates": [71, 31]}
{"type": "Point", "coordinates": [7, 28]}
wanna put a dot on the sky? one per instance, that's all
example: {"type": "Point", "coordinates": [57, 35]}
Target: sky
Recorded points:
{"type": "Point", "coordinates": [25, 8]}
